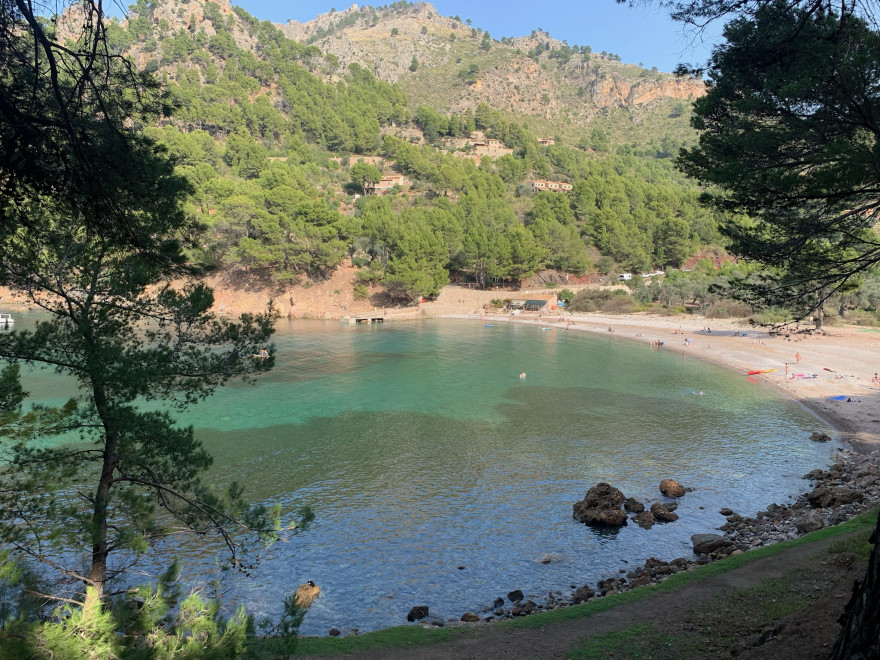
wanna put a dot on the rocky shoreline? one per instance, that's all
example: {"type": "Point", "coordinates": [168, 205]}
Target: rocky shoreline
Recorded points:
{"type": "Point", "coordinates": [849, 487]}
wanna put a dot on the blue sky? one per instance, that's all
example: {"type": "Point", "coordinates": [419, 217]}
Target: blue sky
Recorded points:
{"type": "Point", "coordinates": [643, 34]}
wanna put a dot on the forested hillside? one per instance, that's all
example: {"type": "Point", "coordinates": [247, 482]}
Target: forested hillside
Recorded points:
{"type": "Point", "coordinates": [281, 142]}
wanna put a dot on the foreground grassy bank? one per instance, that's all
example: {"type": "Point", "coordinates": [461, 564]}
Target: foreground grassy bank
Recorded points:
{"type": "Point", "coordinates": [731, 616]}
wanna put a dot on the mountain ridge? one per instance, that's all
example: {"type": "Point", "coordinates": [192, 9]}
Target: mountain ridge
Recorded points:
{"type": "Point", "coordinates": [447, 65]}
{"type": "Point", "coordinates": [389, 40]}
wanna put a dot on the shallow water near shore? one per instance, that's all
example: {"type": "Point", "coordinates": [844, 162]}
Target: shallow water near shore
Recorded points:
{"type": "Point", "coordinates": [439, 477]}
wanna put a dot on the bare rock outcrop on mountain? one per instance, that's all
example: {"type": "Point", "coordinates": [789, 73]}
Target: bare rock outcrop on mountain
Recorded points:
{"type": "Point", "coordinates": [609, 91]}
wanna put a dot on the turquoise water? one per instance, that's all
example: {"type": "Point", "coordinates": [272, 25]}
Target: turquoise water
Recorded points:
{"type": "Point", "coordinates": [441, 478]}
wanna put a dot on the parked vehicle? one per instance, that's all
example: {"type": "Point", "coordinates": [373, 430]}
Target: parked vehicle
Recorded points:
{"type": "Point", "coordinates": [623, 277]}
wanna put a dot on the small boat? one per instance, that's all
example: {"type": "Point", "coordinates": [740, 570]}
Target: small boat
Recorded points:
{"type": "Point", "coordinates": [6, 321]}
{"type": "Point", "coordinates": [760, 371]}
{"type": "Point", "coordinates": [488, 325]}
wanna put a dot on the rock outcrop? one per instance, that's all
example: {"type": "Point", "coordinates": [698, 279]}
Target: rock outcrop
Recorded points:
{"type": "Point", "coordinates": [601, 507]}
{"type": "Point", "coordinates": [417, 613]}
{"type": "Point", "coordinates": [306, 593]}
{"type": "Point", "coordinates": [671, 488]}
{"type": "Point", "coordinates": [705, 544]}
{"type": "Point", "coordinates": [833, 496]}
{"type": "Point", "coordinates": [644, 519]}
{"type": "Point", "coordinates": [663, 513]}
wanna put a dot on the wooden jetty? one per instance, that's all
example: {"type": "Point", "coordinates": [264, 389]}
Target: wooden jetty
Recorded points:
{"type": "Point", "coordinates": [382, 315]}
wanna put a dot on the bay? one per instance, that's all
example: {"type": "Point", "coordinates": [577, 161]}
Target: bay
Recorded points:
{"type": "Point", "coordinates": [439, 477]}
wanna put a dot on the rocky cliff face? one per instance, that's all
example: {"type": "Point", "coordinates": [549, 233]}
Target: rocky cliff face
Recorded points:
{"type": "Point", "coordinates": [608, 91]}
{"type": "Point", "coordinates": [383, 41]}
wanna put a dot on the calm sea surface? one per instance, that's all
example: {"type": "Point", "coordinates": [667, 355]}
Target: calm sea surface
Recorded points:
{"type": "Point", "coordinates": [441, 478]}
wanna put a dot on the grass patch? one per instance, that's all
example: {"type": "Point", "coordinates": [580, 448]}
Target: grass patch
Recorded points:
{"type": "Point", "coordinates": [401, 637]}
{"type": "Point", "coordinates": [641, 641]}
{"type": "Point", "coordinates": [416, 636]}
{"type": "Point", "coordinates": [865, 521]}
{"type": "Point", "coordinates": [715, 630]}
{"type": "Point", "coordinates": [858, 544]}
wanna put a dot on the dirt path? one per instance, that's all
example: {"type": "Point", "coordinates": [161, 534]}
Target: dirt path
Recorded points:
{"type": "Point", "coordinates": [808, 634]}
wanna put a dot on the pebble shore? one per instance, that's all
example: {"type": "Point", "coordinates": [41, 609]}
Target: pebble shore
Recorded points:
{"type": "Point", "coordinates": [849, 487]}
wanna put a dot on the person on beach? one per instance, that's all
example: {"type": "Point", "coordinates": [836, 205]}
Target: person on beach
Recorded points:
{"type": "Point", "coordinates": [797, 357]}
{"type": "Point", "coordinates": [875, 381]}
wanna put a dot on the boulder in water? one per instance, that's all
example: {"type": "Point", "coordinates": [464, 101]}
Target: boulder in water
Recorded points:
{"type": "Point", "coordinates": [671, 488]}
{"type": "Point", "coordinates": [417, 612]}
{"type": "Point", "coordinates": [662, 513]}
{"type": "Point", "coordinates": [644, 519]}
{"type": "Point", "coordinates": [306, 593]}
{"type": "Point", "coordinates": [601, 507]}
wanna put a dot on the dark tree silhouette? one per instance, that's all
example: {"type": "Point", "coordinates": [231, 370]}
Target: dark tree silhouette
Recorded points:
{"type": "Point", "coordinates": [790, 130]}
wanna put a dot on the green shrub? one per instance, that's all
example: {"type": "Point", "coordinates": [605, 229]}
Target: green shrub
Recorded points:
{"type": "Point", "coordinates": [370, 275]}
{"type": "Point", "coordinates": [863, 317]}
{"type": "Point", "coordinates": [619, 305]}
{"type": "Point", "coordinates": [588, 300]}
{"type": "Point", "coordinates": [771, 316]}
{"type": "Point", "coordinates": [725, 309]}
{"type": "Point", "coordinates": [151, 622]}
{"type": "Point", "coordinates": [858, 544]}
{"type": "Point", "coordinates": [672, 310]}
{"type": "Point", "coordinates": [585, 306]}
{"type": "Point", "coordinates": [360, 291]}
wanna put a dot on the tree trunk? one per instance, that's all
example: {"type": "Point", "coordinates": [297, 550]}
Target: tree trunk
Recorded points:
{"type": "Point", "coordinates": [859, 637]}
{"type": "Point", "coordinates": [100, 547]}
